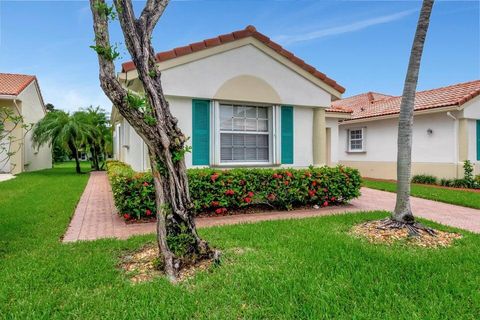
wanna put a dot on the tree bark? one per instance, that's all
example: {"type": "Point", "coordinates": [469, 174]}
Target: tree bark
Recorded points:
{"type": "Point", "coordinates": [403, 211]}
{"type": "Point", "coordinates": [74, 151]}
{"type": "Point", "coordinates": [162, 136]}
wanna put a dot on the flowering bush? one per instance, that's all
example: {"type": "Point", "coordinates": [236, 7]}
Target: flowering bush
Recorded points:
{"type": "Point", "coordinates": [217, 191]}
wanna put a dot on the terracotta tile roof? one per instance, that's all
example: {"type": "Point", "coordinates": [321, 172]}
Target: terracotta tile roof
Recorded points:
{"type": "Point", "coordinates": [13, 84]}
{"type": "Point", "coordinates": [249, 31]}
{"type": "Point", "coordinates": [372, 104]}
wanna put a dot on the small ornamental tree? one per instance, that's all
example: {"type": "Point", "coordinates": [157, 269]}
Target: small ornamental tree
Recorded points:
{"type": "Point", "coordinates": [151, 118]}
{"type": "Point", "coordinates": [9, 143]}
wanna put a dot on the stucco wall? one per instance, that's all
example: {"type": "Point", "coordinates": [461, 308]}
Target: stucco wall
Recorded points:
{"type": "Point", "coordinates": [203, 78]}
{"type": "Point", "coordinates": [13, 163]}
{"type": "Point", "coordinates": [32, 111]}
{"type": "Point", "coordinates": [435, 153]}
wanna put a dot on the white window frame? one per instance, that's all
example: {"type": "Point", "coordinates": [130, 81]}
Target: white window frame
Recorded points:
{"type": "Point", "coordinates": [349, 140]}
{"type": "Point", "coordinates": [273, 141]}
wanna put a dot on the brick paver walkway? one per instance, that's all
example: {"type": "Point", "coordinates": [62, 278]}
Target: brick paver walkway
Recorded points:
{"type": "Point", "coordinates": [95, 215]}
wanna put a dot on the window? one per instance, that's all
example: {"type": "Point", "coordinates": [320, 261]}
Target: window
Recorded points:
{"type": "Point", "coordinates": [356, 141]}
{"type": "Point", "coordinates": [245, 134]}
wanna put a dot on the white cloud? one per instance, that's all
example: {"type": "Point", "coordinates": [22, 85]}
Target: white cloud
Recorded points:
{"type": "Point", "coordinates": [346, 28]}
{"type": "Point", "coordinates": [70, 98]}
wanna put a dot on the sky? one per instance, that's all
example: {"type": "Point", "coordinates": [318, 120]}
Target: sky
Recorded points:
{"type": "Point", "coordinates": [363, 45]}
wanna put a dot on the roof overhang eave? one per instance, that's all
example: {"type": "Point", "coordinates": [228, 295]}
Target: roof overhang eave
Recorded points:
{"type": "Point", "coordinates": [395, 115]}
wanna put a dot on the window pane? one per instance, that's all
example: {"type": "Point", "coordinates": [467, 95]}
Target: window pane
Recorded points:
{"type": "Point", "coordinates": [250, 125]}
{"type": "Point", "coordinates": [239, 124]}
{"type": "Point", "coordinates": [226, 115]}
{"type": "Point", "coordinates": [251, 112]}
{"type": "Point", "coordinates": [244, 147]}
{"type": "Point", "coordinates": [239, 112]}
{"type": "Point", "coordinates": [262, 125]}
{"type": "Point", "coordinates": [226, 154]}
{"type": "Point", "coordinates": [262, 112]}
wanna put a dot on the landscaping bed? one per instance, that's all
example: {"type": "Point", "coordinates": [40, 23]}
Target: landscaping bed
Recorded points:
{"type": "Point", "coordinates": [220, 192]}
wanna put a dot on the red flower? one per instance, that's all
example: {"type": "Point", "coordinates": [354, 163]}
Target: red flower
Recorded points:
{"type": "Point", "coordinates": [127, 216]}
{"type": "Point", "coordinates": [288, 173]}
{"type": "Point", "coordinates": [286, 182]}
{"type": "Point", "coordinates": [229, 192]}
{"type": "Point", "coordinates": [275, 176]}
{"type": "Point", "coordinates": [224, 210]}
{"type": "Point", "coordinates": [314, 183]}
{"type": "Point", "coordinates": [215, 204]}
{"type": "Point", "coordinates": [146, 184]}
{"type": "Point", "coordinates": [311, 193]}
{"type": "Point", "coordinates": [250, 194]}
{"type": "Point", "coordinates": [325, 190]}
{"type": "Point", "coordinates": [248, 200]}
{"type": "Point", "coordinates": [214, 176]}
{"type": "Point", "coordinates": [219, 211]}
{"type": "Point", "coordinates": [279, 176]}
{"type": "Point", "coordinates": [333, 199]}
{"type": "Point", "coordinates": [271, 197]}
{"type": "Point", "coordinates": [148, 212]}
{"type": "Point", "coordinates": [325, 203]}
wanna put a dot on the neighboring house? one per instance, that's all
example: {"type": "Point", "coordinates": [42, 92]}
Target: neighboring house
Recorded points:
{"type": "Point", "coordinates": [446, 132]}
{"type": "Point", "coordinates": [21, 94]}
{"type": "Point", "coordinates": [244, 101]}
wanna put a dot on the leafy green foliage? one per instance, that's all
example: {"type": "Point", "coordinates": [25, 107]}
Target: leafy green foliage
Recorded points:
{"type": "Point", "coordinates": [178, 155]}
{"type": "Point", "coordinates": [141, 103]}
{"type": "Point", "coordinates": [181, 243]}
{"type": "Point", "coordinates": [110, 53]}
{"type": "Point", "coordinates": [221, 190]}
{"type": "Point", "coordinates": [424, 179]}
{"type": "Point", "coordinates": [106, 11]}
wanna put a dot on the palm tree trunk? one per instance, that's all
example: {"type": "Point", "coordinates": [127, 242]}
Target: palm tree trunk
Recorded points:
{"type": "Point", "coordinates": [74, 151]}
{"type": "Point", "coordinates": [403, 211]}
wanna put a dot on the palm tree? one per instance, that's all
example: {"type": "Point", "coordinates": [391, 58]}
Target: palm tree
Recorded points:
{"type": "Point", "coordinates": [101, 137]}
{"type": "Point", "coordinates": [403, 216]}
{"type": "Point", "coordinates": [60, 128]}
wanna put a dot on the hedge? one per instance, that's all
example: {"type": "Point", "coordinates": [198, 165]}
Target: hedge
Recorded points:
{"type": "Point", "coordinates": [221, 191]}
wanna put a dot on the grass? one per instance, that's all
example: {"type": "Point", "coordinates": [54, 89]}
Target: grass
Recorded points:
{"type": "Point", "coordinates": [308, 268]}
{"type": "Point", "coordinates": [459, 197]}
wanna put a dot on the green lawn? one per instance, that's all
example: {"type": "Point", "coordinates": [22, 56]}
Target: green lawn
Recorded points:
{"type": "Point", "coordinates": [306, 268]}
{"type": "Point", "coordinates": [459, 197]}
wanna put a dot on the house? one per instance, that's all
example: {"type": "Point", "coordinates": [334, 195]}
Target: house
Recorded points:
{"type": "Point", "coordinates": [20, 94]}
{"type": "Point", "coordinates": [446, 132]}
{"type": "Point", "coordinates": [244, 101]}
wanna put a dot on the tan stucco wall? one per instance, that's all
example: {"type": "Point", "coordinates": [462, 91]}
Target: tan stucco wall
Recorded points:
{"type": "Point", "coordinates": [388, 170]}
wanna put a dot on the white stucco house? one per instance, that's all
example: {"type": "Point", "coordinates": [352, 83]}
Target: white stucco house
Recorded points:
{"type": "Point", "coordinates": [21, 95]}
{"type": "Point", "coordinates": [446, 132]}
{"type": "Point", "coordinates": [244, 101]}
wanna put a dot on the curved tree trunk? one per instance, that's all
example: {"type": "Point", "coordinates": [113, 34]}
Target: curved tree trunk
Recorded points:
{"type": "Point", "coordinates": [74, 151]}
{"type": "Point", "coordinates": [403, 211]}
{"type": "Point", "coordinates": [157, 127]}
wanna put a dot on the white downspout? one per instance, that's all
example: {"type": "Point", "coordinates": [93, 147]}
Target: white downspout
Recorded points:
{"type": "Point", "coordinates": [455, 139]}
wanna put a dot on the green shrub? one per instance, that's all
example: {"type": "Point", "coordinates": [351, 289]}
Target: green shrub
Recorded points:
{"type": "Point", "coordinates": [218, 191]}
{"type": "Point", "coordinates": [425, 179]}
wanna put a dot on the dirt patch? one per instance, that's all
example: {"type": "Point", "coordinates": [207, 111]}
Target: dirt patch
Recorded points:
{"type": "Point", "coordinates": [373, 232]}
{"type": "Point", "coordinates": [144, 265]}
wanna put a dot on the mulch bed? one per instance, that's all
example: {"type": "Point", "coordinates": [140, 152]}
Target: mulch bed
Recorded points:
{"type": "Point", "coordinates": [143, 265]}
{"type": "Point", "coordinates": [374, 233]}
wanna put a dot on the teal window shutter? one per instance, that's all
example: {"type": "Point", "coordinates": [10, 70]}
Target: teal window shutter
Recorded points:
{"type": "Point", "coordinates": [478, 140]}
{"type": "Point", "coordinates": [287, 134]}
{"type": "Point", "coordinates": [200, 132]}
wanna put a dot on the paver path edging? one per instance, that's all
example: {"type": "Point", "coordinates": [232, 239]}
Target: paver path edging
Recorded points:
{"type": "Point", "coordinates": [95, 216]}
